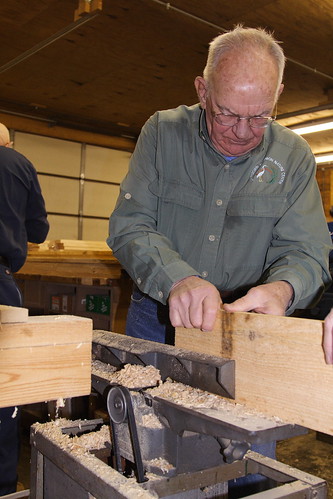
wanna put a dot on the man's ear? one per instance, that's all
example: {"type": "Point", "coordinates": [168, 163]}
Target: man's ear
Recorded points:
{"type": "Point", "coordinates": [201, 88]}
{"type": "Point", "coordinates": [280, 89]}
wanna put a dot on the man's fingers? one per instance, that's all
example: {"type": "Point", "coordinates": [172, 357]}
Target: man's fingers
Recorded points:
{"type": "Point", "coordinates": [244, 304]}
{"type": "Point", "coordinates": [209, 313]}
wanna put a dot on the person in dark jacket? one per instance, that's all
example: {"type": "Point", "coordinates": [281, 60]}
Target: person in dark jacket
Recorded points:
{"type": "Point", "coordinates": [23, 218]}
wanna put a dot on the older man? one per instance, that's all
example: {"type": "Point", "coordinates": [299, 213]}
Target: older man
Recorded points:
{"type": "Point", "coordinates": [221, 202]}
{"type": "Point", "coordinates": [22, 219]}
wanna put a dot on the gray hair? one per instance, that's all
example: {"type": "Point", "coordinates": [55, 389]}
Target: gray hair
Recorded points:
{"type": "Point", "coordinates": [244, 38]}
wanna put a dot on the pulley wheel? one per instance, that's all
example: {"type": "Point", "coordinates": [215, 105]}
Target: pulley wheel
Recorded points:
{"type": "Point", "coordinates": [117, 405]}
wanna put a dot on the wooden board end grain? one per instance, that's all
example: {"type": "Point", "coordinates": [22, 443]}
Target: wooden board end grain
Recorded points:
{"type": "Point", "coordinates": [13, 314]}
{"type": "Point", "coordinates": [45, 358]}
{"type": "Point", "coordinates": [280, 368]}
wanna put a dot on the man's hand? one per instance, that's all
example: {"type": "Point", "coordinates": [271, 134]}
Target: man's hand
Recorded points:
{"type": "Point", "coordinates": [272, 298]}
{"type": "Point", "coordinates": [328, 338]}
{"type": "Point", "coordinates": [194, 302]}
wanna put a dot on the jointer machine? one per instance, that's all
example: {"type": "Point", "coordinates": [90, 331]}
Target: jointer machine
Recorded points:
{"type": "Point", "coordinates": [163, 445]}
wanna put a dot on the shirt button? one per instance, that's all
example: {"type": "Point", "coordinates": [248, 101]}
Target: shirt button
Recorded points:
{"type": "Point", "coordinates": [226, 167]}
{"type": "Point", "coordinates": [204, 273]}
{"type": "Point", "coordinates": [128, 195]}
{"type": "Point", "coordinates": [219, 202]}
{"type": "Point", "coordinates": [139, 280]}
{"type": "Point", "coordinates": [160, 294]}
{"type": "Point", "coordinates": [211, 237]}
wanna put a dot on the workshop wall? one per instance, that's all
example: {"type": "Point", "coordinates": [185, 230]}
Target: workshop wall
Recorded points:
{"type": "Point", "coordinates": [80, 183]}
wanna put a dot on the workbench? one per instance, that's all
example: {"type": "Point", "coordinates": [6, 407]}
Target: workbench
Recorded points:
{"type": "Point", "coordinates": [74, 278]}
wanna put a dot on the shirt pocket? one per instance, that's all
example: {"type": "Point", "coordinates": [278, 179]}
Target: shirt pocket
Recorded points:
{"type": "Point", "coordinates": [179, 193]}
{"type": "Point", "coordinates": [258, 206]}
{"type": "Point", "coordinates": [248, 231]}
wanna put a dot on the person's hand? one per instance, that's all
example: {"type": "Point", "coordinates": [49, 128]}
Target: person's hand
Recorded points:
{"type": "Point", "coordinates": [193, 303]}
{"type": "Point", "coordinates": [328, 338]}
{"type": "Point", "coordinates": [272, 298]}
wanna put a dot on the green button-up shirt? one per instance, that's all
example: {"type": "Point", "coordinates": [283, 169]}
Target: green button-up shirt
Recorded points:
{"type": "Point", "coordinates": [185, 210]}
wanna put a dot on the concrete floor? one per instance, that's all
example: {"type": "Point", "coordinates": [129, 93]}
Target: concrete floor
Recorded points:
{"type": "Point", "coordinates": [308, 453]}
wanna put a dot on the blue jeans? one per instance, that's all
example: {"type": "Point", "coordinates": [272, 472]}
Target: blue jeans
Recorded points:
{"type": "Point", "coordinates": [9, 425]}
{"type": "Point", "coordinates": [149, 320]}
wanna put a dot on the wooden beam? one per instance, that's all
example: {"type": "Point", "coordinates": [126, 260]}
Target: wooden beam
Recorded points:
{"type": "Point", "coordinates": [45, 358]}
{"type": "Point", "coordinates": [279, 364]}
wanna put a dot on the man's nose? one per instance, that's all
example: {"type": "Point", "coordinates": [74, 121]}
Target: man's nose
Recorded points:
{"type": "Point", "coordinates": [242, 129]}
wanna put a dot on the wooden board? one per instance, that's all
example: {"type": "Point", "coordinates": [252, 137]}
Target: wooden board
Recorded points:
{"type": "Point", "coordinates": [71, 259]}
{"type": "Point", "coordinates": [45, 358]}
{"type": "Point", "coordinates": [13, 314]}
{"type": "Point", "coordinates": [279, 363]}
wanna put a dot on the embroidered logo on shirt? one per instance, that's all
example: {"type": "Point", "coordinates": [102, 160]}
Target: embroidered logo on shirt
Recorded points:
{"type": "Point", "coordinates": [268, 172]}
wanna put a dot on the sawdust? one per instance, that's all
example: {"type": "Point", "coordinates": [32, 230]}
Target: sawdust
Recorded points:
{"type": "Point", "coordinates": [94, 440]}
{"type": "Point", "coordinates": [212, 405]}
{"type": "Point", "coordinates": [78, 447]}
{"type": "Point", "coordinates": [130, 376]}
{"type": "Point", "coordinates": [161, 464]}
{"type": "Point", "coordinates": [81, 444]}
{"type": "Point", "coordinates": [151, 421]}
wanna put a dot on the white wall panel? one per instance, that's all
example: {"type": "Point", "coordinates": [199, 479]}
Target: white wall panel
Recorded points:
{"type": "Point", "coordinates": [61, 194]}
{"type": "Point", "coordinates": [99, 199]}
{"type": "Point", "coordinates": [105, 164]}
{"type": "Point", "coordinates": [60, 159]}
{"type": "Point", "coordinates": [63, 227]}
{"type": "Point", "coordinates": [95, 230]}
{"type": "Point", "coordinates": [49, 155]}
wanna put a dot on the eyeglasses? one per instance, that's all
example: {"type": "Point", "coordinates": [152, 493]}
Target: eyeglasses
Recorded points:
{"type": "Point", "coordinates": [233, 119]}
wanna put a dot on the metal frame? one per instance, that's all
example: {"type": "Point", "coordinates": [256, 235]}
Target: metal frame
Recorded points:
{"type": "Point", "coordinates": [59, 473]}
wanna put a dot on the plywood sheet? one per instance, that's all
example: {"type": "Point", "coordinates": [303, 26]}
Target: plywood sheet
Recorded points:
{"type": "Point", "coordinates": [280, 367]}
{"type": "Point", "coordinates": [45, 358]}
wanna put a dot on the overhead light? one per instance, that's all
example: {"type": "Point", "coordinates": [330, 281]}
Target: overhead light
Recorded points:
{"type": "Point", "coordinates": [324, 158]}
{"type": "Point", "coordinates": [319, 127]}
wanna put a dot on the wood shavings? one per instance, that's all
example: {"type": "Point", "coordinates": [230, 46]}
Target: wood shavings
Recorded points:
{"type": "Point", "coordinates": [123, 486]}
{"type": "Point", "coordinates": [95, 439]}
{"type": "Point", "coordinates": [212, 405]}
{"type": "Point", "coordinates": [102, 369]}
{"type": "Point", "coordinates": [151, 421]}
{"type": "Point", "coordinates": [130, 376]}
{"type": "Point", "coordinates": [161, 464]}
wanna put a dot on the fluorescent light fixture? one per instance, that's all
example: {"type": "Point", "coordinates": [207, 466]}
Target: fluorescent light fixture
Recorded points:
{"type": "Point", "coordinates": [320, 127]}
{"type": "Point", "coordinates": [324, 158]}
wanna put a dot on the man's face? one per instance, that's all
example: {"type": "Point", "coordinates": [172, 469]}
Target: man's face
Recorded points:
{"type": "Point", "coordinates": [243, 92]}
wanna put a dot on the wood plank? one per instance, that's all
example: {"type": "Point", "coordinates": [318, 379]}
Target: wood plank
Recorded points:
{"type": "Point", "coordinates": [71, 268]}
{"type": "Point", "coordinates": [13, 314]}
{"type": "Point", "coordinates": [72, 259]}
{"type": "Point", "coordinates": [279, 363]}
{"type": "Point", "coordinates": [46, 358]}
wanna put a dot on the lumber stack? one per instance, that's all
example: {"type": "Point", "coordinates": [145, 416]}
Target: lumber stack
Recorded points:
{"type": "Point", "coordinates": [43, 357]}
{"type": "Point", "coordinates": [279, 364]}
{"type": "Point", "coordinates": [71, 259]}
